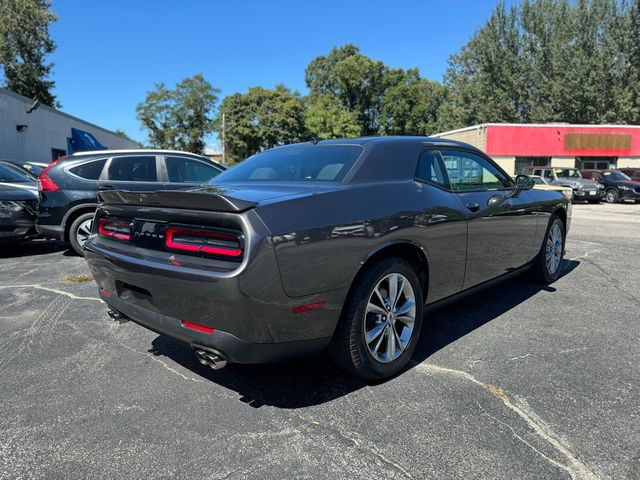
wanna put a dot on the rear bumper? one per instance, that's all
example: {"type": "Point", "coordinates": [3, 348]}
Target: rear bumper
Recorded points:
{"type": "Point", "coordinates": [50, 231]}
{"type": "Point", "coordinates": [230, 347]}
{"type": "Point", "coordinates": [16, 227]}
{"type": "Point", "coordinates": [252, 317]}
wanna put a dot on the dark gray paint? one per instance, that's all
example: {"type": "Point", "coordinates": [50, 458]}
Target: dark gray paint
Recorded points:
{"type": "Point", "coordinates": [307, 241]}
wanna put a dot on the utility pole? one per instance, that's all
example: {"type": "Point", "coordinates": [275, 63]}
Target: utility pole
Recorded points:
{"type": "Point", "coordinates": [224, 157]}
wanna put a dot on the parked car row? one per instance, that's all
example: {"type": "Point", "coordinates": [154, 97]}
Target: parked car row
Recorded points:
{"type": "Point", "coordinates": [60, 202]}
{"type": "Point", "coordinates": [593, 186]}
{"type": "Point", "coordinates": [66, 191]}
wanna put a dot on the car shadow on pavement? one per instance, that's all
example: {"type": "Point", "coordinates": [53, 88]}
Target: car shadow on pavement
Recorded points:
{"type": "Point", "coordinates": [316, 380]}
{"type": "Point", "coordinates": [34, 247]}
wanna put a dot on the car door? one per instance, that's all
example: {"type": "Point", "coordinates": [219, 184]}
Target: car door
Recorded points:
{"type": "Point", "coordinates": [501, 222]}
{"type": "Point", "coordinates": [184, 172]}
{"type": "Point", "coordinates": [131, 172]}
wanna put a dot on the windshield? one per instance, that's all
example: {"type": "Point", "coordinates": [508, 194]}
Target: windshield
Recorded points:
{"type": "Point", "coordinates": [299, 163]}
{"type": "Point", "coordinates": [538, 180]}
{"type": "Point", "coordinates": [615, 176]}
{"type": "Point", "coordinates": [11, 174]}
{"type": "Point", "coordinates": [568, 173]}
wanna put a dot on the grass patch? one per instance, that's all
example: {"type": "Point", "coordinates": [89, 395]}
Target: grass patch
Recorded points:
{"type": "Point", "coordinates": [497, 391]}
{"type": "Point", "coordinates": [78, 278]}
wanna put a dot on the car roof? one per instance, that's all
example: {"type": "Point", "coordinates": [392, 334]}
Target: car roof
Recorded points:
{"type": "Point", "coordinates": [155, 151]}
{"type": "Point", "coordinates": [389, 139]}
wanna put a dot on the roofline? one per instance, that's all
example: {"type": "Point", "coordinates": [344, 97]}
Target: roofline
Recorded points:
{"type": "Point", "coordinates": [5, 91]}
{"type": "Point", "coordinates": [526, 125]}
{"type": "Point", "coordinates": [133, 150]}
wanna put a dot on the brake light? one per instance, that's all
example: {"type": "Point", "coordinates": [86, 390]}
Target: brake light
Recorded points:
{"type": "Point", "coordinates": [117, 229]}
{"type": "Point", "coordinates": [197, 326]}
{"type": "Point", "coordinates": [212, 242]}
{"type": "Point", "coordinates": [45, 184]}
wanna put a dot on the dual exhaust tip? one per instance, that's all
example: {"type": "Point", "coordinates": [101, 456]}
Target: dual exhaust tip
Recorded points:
{"type": "Point", "coordinates": [214, 361]}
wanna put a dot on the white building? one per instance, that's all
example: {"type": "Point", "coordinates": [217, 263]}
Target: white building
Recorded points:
{"type": "Point", "coordinates": [45, 133]}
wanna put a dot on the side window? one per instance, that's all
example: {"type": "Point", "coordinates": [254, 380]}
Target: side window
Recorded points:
{"type": "Point", "coordinates": [470, 172]}
{"type": "Point", "coordinates": [185, 170]}
{"type": "Point", "coordinates": [133, 169]}
{"type": "Point", "coordinates": [89, 170]}
{"type": "Point", "coordinates": [548, 174]}
{"type": "Point", "coordinates": [430, 169]}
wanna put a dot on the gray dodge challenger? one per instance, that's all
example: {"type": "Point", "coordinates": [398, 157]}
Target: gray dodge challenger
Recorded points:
{"type": "Point", "coordinates": [331, 244]}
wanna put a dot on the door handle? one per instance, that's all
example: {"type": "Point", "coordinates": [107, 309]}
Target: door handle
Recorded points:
{"type": "Point", "coordinates": [106, 187]}
{"type": "Point", "coordinates": [473, 206]}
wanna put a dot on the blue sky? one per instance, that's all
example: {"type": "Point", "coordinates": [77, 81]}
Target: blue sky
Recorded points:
{"type": "Point", "coordinates": [111, 53]}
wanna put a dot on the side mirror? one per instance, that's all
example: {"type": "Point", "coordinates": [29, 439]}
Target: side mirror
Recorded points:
{"type": "Point", "coordinates": [524, 182]}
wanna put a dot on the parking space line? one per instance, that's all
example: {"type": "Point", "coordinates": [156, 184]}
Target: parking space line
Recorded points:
{"type": "Point", "coordinates": [575, 468]}
{"type": "Point", "coordinates": [54, 290]}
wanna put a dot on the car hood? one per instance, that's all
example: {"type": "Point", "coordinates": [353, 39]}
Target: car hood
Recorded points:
{"type": "Point", "coordinates": [31, 186]}
{"type": "Point", "coordinates": [578, 182]}
{"type": "Point", "coordinates": [9, 192]}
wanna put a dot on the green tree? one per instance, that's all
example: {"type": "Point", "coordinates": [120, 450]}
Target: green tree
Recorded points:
{"type": "Point", "coordinates": [180, 118]}
{"type": "Point", "coordinates": [357, 82]}
{"type": "Point", "coordinates": [349, 90]}
{"type": "Point", "coordinates": [24, 44]}
{"type": "Point", "coordinates": [260, 119]}
{"type": "Point", "coordinates": [328, 119]}
{"type": "Point", "coordinates": [412, 107]}
{"type": "Point", "coordinates": [548, 60]}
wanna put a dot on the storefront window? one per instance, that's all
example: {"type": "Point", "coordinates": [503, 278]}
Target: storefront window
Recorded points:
{"type": "Point", "coordinates": [524, 162]}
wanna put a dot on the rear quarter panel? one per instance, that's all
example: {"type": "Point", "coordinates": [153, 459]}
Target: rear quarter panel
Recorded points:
{"type": "Point", "coordinates": [321, 241]}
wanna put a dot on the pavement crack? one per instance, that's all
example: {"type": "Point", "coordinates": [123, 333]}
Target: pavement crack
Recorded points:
{"type": "Point", "coordinates": [577, 469]}
{"type": "Point", "coordinates": [519, 357]}
{"type": "Point", "coordinates": [532, 447]}
{"type": "Point", "coordinates": [357, 443]}
{"type": "Point", "coordinates": [164, 365]}
{"type": "Point", "coordinates": [53, 290]}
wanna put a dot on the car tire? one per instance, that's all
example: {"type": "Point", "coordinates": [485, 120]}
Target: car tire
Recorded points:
{"type": "Point", "coordinates": [612, 195]}
{"type": "Point", "coordinates": [388, 329]}
{"type": "Point", "coordinates": [78, 231]}
{"type": "Point", "coordinates": [548, 270]}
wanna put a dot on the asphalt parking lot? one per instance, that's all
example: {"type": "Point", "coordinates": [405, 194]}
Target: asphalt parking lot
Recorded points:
{"type": "Point", "coordinates": [519, 382]}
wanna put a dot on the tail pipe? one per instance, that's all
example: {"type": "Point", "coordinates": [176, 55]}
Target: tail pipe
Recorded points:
{"type": "Point", "coordinates": [117, 316]}
{"type": "Point", "coordinates": [212, 359]}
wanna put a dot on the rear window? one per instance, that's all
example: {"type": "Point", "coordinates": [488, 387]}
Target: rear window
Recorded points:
{"type": "Point", "coordinates": [89, 170]}
{"type": "Point", "coordinates": [11, 174]}
{"type": "Point", "coordinates": [133, 169]}
{"type": "Point", "coordinates": [327, 163]}
{"type": "Point", "coordinates": [185, 170]}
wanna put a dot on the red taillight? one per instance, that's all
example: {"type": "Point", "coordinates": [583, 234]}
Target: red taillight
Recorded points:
{"type": "Point", "coordinates": [45, 184]}
{"type": "Point", "coordinates": [112, 228]}
{"type": "Point", "coordinates": [197, 326]}
{"type": "Point", "coordinates": [212, 242]}
{"type": "Point", "coordinates": [307, 307]}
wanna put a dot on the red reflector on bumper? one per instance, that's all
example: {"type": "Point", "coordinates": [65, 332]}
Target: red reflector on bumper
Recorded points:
{"type": "Point", "coordinates": [307, 307]}
{"type": "Point", "coordinates": [106, 292]}
{"type": "Point", "coordinates": [196, 326]}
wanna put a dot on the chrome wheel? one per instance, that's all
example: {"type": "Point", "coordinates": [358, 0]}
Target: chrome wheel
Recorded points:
{"type": "Point", "coordinates": [83, 232]}
{"type": "Point", "coordinates": [390, 317]}
{"type": "Point", "coordinates": [611, 196]}
{"type": "Point", "coordinates": [553, 254]}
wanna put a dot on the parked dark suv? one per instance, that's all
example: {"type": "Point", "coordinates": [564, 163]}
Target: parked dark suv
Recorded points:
{"type": "Point", "coordinates": [632, 173]}
{"type": "Point", "coordinates": [618, 186]}
{"type": "Point", "coordinates": [69, 186]}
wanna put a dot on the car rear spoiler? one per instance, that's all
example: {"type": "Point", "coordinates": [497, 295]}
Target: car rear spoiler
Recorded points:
{"type": "Point", "coordinates": [208, 199]}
